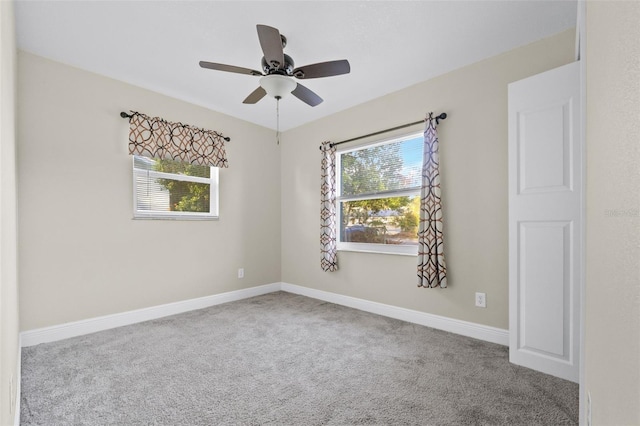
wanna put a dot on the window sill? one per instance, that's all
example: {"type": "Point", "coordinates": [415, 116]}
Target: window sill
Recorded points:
{"type": "Point", "coordinates": [371, 248]}
{"type": "Point", "coordinates": [186, 218]}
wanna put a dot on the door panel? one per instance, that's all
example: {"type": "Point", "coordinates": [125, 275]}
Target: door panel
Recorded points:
{"type": "Point", "coordinates": [545, 160]}
{"type": "Point", "coordinates": [545, 222]}
{"type": "Point", "coordinates": [545, 278]}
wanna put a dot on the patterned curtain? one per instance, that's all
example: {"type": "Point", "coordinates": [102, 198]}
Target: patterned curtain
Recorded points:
{"type": "Point", "coordinates": [432, 271]}
{"type": "Point", "coordinates": [328, 248]}
{"type": "Point", "coordinates": [157, 138]}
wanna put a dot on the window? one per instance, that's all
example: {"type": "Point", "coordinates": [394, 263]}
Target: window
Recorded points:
{"type": "Point", "coordinates": [379, 196]}
{"type": "Point", "coordinates": [167, 189]}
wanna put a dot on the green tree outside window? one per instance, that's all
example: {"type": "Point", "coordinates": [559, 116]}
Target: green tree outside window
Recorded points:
{"type": "Point", "coordinates": [185, 196]}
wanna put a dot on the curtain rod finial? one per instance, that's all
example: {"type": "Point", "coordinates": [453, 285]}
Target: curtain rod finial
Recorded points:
{"type": "Point", "coordinates": [124, 115]}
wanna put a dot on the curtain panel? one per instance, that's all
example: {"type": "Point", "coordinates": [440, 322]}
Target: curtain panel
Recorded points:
{"type": "Point", "coordinates": [432, 270]}
{"type": "Point", "coordinates": [328, 244]}
{"type": "Point", "coordinates": [158, 138]}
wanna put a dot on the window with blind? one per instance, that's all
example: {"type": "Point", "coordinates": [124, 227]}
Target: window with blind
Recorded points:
{"type": "Point", "coordinates": [379, 195]}
{"type": "Point", "coordinates": [167, 189]}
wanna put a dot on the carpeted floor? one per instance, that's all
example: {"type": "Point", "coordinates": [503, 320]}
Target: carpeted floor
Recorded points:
{"type": "Point", "coordinates": [284, 359]}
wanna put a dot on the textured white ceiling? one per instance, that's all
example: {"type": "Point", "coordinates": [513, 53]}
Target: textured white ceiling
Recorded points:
{"type": "Point", "coordinates": [390, 44]}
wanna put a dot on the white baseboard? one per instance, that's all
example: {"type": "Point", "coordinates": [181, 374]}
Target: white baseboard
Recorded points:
{"type": "Point", "coordinates": [465, 328]}
{"type": "Point", "coordinates": [91, 325]}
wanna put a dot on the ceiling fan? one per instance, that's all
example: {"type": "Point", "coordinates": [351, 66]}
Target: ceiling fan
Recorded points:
{"type": "Point", "coordinates": [277, 79]}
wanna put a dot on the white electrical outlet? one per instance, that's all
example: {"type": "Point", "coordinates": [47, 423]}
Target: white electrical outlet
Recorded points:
{"type": "Point", "coordinates": [241, 273]}
{"type": "Point", "coordinates": [481, 300]}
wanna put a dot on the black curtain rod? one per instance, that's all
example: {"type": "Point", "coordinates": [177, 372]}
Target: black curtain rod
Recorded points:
{"type": "Point", "coordinates": [125, 115]}
{"type": "Point", "coordinates": [438, 118]}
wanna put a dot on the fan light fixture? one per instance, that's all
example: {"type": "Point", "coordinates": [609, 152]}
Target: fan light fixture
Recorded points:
{"type": "Point", "coordinates": [277, 86]}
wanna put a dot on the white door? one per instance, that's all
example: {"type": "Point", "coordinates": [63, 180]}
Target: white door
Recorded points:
{"type": "Point", "coordinates": [545, 222]}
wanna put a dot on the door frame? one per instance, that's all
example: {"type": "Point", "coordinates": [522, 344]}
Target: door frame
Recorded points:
{"type": "Point", "coordinates": [581, 48]}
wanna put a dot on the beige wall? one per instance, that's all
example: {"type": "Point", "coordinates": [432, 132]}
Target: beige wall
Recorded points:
{"type": "Point", "coordinates": [612, 341]}
{"type": "Point", "coordinates": [474, 178]}
{"type": "Point", "coordinates": [8, 262]}
{"type": "Point", "coordinates": [80, 253]}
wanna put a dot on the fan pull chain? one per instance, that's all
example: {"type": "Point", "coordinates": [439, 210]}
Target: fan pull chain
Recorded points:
{"type": "Point", "coordinates": [278, 120]}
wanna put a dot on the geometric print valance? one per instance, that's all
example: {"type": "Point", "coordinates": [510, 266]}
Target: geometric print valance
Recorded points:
{"type": "Point", "coordinates": [158, 138]}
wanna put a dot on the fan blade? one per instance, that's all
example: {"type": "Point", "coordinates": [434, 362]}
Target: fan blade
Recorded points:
{"type": "Point", "coordinates": [306, 95]}
{"type": "Point", "coordinates": [271, 44]}
{"type": "Point", "coordinates": [255, 96]}
{"type": "Point", "coordinates": [323, 69]}
{"type": "Point", "coordinates": [228, 68]}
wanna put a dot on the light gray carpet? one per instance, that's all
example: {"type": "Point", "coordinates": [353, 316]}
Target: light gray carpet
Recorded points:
{"type": "Point", "coordinates": [283, 359]}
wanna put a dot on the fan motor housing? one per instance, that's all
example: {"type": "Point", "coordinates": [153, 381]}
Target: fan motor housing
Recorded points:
{"type": "Point", "coordinates": [286, 69]}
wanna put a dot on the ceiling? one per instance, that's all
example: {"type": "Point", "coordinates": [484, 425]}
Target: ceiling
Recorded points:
{"type": "Point", "coordinates": [390, 44]}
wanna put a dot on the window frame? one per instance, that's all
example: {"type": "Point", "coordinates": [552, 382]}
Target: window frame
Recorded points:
{"type": "Point", "coordinates": [406, 250]}
{"type": "Point", "coordinates": [212, 181]}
